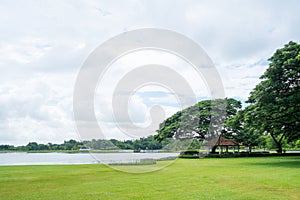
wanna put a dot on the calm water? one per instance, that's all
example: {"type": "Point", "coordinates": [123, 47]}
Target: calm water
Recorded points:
{"type": "Point", "coordinates": [76, 158]}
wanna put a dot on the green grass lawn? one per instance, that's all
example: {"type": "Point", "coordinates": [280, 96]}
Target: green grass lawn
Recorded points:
{"type": "Point", "coordinates": [237, 178]}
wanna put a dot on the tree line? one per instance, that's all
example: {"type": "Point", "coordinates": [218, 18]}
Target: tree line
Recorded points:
{"type": "Point", "coordinates": [148, 143]}
{"type": "Point", "coordinates": [34, 146]}
{"type": "Point", "coordinates": [99, 144]}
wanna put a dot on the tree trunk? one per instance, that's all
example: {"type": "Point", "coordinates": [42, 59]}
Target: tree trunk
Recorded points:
{"type": "Point", "coordinates": [279, 150]}
{"type": "Point", "coordinates": [278, 143]}
{"type": "Point", "coordinates": [213, 150]}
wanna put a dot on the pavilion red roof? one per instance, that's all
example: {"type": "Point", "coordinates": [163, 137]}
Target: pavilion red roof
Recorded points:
{"type": "Point", "coordinates": [221, 141]}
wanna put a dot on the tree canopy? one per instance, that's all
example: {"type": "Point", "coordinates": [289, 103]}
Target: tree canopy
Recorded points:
{"type": "Point", "coordinates": [200, 121]}
{"type": "Point", "coordinates": [239, 127]}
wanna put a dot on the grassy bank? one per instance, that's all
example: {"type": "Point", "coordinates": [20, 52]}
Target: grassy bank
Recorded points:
{"type": "Point", "coordinates": [232, 178]}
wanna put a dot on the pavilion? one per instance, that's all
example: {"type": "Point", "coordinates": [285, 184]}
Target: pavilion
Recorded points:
{"type": "Point", "coordinates": [221, 142]}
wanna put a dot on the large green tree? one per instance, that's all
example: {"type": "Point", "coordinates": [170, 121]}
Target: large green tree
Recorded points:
{"type": "Point", "coordinates": [275, 102]}
{"type": "Point", "coordinates": [200, 121]}
{"type": "Point", "coordinates": [240, 128]}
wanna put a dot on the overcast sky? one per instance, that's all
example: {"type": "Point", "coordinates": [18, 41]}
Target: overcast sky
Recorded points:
{"type": "Point", "coordinates": [43, 45]}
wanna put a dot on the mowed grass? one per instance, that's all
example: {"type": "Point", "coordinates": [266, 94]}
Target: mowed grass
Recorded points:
{"type": "Point", "coordinates": [237, 178]}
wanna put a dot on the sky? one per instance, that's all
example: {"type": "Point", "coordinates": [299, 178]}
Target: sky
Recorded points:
{"type": "Point", "coordinates": [44, 44]}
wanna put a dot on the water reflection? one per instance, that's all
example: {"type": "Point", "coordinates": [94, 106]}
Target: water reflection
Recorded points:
{"type": "Point", "coordinates": [78, 158]}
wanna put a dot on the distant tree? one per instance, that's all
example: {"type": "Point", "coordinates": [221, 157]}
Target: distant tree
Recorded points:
{"type": "Point", "coordinates": [101, 144]}
{"type": "Point", "coordinates": [32, 146]}
{"type": "Point", "coordinates": [71, 145]}
{"type": "Point", "coordinates": [43, 147]}
{"type": "Point", "coordinates": [6, 147]}
{"type": "Point", "coordinates": [21, 148]}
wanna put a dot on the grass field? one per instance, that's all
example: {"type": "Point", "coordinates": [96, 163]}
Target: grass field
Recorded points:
{"type": "Point", "coordinates": [238, 178]}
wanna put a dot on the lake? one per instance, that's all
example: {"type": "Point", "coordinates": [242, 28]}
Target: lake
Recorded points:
{"type": "Point", "coordinates": [77, 158]}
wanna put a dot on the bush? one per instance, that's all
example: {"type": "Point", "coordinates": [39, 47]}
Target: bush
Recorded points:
{"type": "Point", "coordinates": [189, 154]}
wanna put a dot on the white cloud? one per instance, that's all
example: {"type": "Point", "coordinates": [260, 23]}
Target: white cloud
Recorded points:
{"type": "Point", "coordinates": [24, 51]}
{"type": "Point", "coordinates": [39, 109]}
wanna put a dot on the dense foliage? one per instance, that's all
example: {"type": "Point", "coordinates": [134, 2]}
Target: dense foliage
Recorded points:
{"type": "Point", "coordinates": [200, 121]}
{"type": "Point", "coordinates": [275, 102]}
